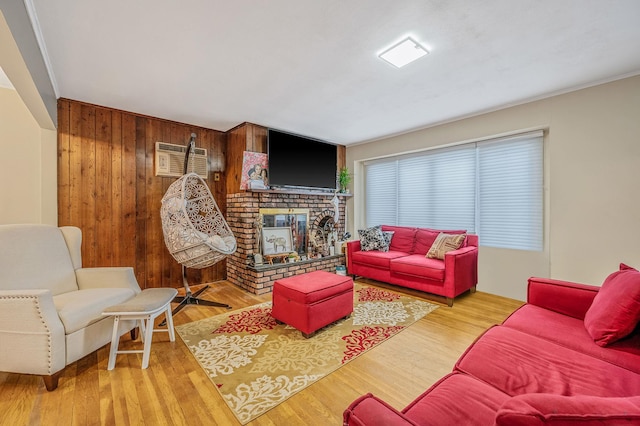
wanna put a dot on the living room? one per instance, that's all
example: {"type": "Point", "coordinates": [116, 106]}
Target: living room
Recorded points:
{"type": "Point", "coordinates": [590, 221]}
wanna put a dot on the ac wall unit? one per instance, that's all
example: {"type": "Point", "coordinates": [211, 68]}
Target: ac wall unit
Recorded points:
{"type": "Point", "coordinates": [170, 160]}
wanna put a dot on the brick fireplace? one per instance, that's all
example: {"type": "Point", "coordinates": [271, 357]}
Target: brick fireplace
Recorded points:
{"type": "Point", "coordinates": [244, 213]}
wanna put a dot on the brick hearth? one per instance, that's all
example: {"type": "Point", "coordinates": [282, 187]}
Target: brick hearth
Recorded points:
{"type": "Point", "coordinates": [242, 214]}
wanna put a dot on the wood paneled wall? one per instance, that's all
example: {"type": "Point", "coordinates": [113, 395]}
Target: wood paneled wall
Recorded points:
{"type": "Point", "coordinates": [108, 188]}
{"type": "Point", "coordinates": [245, 137]}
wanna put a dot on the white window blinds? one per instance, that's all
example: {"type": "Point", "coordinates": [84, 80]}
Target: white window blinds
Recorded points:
{"type": "Point", "coordinates": [381, 193]}
{"type": "Point", "coordinates": [492, 188]}
{"type": "Point", "coordinates": [510, 182]}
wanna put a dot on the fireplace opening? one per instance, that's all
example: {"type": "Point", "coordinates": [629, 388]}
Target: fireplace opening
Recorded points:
{"type": "Point", "coordinates": [296, 220]}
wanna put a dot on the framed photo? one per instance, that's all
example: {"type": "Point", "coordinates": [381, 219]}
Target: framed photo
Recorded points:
{"type": "Point", "coordinates": [276, 240]}
{"type": "Point", "coordinates": [254, 171]}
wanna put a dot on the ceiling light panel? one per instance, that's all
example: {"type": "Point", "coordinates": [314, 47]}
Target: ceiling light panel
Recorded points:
{"type": "Point", "coordinates": [403, 53]}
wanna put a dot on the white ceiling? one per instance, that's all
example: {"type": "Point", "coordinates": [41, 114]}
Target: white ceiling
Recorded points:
{"type": "Point", "coordinates": [311, 67]}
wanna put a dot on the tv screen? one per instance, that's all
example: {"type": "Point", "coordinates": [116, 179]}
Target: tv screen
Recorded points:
{"type": "Point", "coordinates": [301, 162]}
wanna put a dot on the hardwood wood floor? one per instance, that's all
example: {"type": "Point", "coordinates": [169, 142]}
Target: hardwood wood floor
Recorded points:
{"type": "Point", "coordinates": [174, 390]}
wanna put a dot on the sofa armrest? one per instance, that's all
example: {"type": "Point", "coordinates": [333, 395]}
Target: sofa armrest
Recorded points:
{"type": "Point", "coordinates": [370, 410]}
{"type": "Point", "coordinates": [461, 270]}
{"type": "Point", "coordinates": [32, 335]}
{"type": "Point", "coordinates": [107, 277]}
{"type": "Point", "coordinates": [568, 298]}
{"type": "Point", "coordinates": [352, 247]}
{"type": "Point", "coordinates": [551, 409]}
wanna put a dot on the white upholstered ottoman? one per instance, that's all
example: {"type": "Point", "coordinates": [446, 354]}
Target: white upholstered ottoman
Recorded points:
{"type": "Point", "coordinates": [145, 307]}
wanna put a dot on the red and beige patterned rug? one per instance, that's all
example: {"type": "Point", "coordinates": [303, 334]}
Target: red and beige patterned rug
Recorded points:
{"type": "Point", "coordinates": [256, 363]}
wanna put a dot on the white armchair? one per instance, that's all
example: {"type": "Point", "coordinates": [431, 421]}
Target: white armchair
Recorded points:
{"type": "Point", "coordinates": [51, 307]}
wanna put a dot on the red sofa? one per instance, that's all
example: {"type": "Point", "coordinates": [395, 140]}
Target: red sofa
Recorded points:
{"type": "Point", "coordinates": [406, 264]}
{"type": "Point", "coordinates": [541, 366]}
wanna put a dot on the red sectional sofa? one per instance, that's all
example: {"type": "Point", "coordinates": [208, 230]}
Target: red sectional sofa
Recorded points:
{"type": "Point", "coordinates": [541, 366]}
{"type": "Point", "coordinates": [406, 264]}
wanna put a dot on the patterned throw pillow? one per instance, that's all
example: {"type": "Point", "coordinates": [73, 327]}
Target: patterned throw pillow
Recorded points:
{"type": "Point", "coordinates": [371, 238]}
{"type": "Point", "coordinates": [444, 243]}
{"type": "Point", "coordinates": [387, 240]}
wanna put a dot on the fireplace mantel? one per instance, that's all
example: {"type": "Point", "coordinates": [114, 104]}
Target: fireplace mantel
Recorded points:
{"type": "Point", "coordinates": [301, 192]}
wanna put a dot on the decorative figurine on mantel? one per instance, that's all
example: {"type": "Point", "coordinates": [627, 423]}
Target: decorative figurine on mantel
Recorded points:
{"type": "Point", "coordinates": [257, 257]}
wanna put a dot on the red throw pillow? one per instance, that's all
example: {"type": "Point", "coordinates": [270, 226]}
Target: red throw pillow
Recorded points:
{"type": "Point", "coordinates": [615, 310]}
{"type": "Point", "coordinates": [549, 409]}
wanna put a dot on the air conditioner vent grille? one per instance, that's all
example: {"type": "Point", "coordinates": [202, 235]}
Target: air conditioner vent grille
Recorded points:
{"type": "Point", "coordinates": [170, 160]}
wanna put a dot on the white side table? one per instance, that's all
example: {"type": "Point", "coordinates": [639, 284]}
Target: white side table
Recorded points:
{"type": "Point", "coordinates": [145, 307]}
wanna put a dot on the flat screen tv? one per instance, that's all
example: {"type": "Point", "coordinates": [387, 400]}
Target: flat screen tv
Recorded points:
{"type": "Point", "coordinates": [298, 161]}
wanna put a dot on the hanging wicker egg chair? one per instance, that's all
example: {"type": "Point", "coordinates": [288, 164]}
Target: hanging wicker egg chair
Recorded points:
{"type": "Point", "coordinates": [195, 232]}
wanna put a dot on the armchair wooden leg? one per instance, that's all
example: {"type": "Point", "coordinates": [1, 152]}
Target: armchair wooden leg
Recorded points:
{"type": "Point", "coordinates": [134, 333]}
{"type": "Point", "coordinates": [51, 382]}
{"type": "Point", "coordinates": [450, 301]}
{"type": "Point", "coordinates": [473, 289]}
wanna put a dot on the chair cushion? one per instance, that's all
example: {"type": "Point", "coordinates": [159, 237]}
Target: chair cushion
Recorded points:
{"type": "Point", "coordinates": [79, 309]}
{"type": "Point", "coordinates": [549, 409]}
{"type": "Point", "coordinates": [615, 310]}
{"type": "Point", "coordinates": [418, 265]}
{"type": "Point", "coordinates": [35, 257]}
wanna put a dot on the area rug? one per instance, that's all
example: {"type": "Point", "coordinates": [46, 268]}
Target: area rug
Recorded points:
{"type": "Point", "coordinates": [256, 363]}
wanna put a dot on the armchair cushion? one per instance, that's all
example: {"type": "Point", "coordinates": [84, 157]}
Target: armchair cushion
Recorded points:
{"type": "Point", "coordinates": [47, 261]}
{"type": "Point", "coordinates": [615, 310]}
{"type": "Point", "coordinates": [77, 309]}
{"type": "Point", "coordinates": [550, 409]}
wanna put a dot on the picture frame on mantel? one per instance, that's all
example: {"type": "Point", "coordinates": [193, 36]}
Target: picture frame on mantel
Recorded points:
{"type": "Point", "coordinates": [277, 240]}
{"type": "Point", "coordinates": [254, 171]}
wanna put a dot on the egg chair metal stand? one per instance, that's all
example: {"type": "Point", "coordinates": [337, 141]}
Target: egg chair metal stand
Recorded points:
{"type": "Point", "coordinates": [195, 231]}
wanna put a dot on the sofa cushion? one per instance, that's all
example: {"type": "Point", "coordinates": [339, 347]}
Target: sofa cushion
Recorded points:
{"type": "Point", "coordinates": [425, 238]}
{"type": "Point", "coordinates": [456, 399]}
{"type": "Point", "coordinates": [418, 265]}
{"type": "Point", "coordinates": [549, 409]}
{"type": "Point", "coordinates": [445, 243]}
{"type": "Point", "coordinates": [376, 258]}
{"type": "Point", "coordinates": [403, 238]}
{"type": "Point", "coordinates": [518, 363]}
{"type": "Point", "coordinates": [570, 332]}
{"type": "Point", "coordinates": [615, 310]}
{"type": "Point", "coordinates": [79, 309]}
{"type": "Point", "coordinates": [371, 238]}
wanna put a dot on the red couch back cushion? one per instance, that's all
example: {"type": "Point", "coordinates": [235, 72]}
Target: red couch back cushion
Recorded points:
{"type": "Point", "coordinates": [615, 310]}
{"type": "Point", "coordinates": [403, 238]}
{"type": "Point", "coordinates": [425, 238]}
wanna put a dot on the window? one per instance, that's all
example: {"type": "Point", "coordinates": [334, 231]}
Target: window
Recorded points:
{"type": "Point", "coordinates": [492, 188]}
